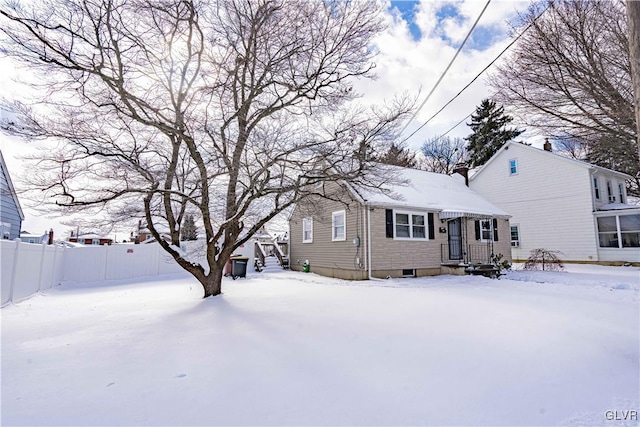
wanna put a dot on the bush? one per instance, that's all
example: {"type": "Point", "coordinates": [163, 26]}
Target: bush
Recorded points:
{"type": "Point", "coordinates": [549, 260]}
{"type": "Point", "coordinates": [500, 263]}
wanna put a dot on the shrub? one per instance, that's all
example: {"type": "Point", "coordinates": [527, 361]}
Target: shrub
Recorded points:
{"type": "Point", "coordinates": [549, 260]}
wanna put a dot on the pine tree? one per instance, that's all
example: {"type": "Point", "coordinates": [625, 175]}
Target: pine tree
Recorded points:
{"type": "Point", "coordinates": [398, 155]}
{"type": "Point", "coordinates": [188, 231]}
{"type": "Point", "coordinates": [489, 132]}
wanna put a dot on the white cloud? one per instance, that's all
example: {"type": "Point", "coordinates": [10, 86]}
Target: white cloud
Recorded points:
{"type": "Point", "coordinates": [405, 64]}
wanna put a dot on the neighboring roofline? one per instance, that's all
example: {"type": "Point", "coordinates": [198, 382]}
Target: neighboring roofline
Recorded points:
{"type": "Point", "coordinates": [12, 190]}
{"type": "Point", "coordinates": [555, 155]}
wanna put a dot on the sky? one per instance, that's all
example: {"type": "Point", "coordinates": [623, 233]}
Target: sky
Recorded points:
{"type": "Point", "coordinates": [421, 39]}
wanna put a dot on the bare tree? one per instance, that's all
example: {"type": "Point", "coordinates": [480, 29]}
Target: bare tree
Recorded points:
{"type": "Point", "coordinates": [228, 109]}
{"type": "Point", "coordinates": [441, 154]}
{"type": "Point", "coordinates": [570, 75]}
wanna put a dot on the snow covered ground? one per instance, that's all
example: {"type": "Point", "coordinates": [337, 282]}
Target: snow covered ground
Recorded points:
{"type": "Point", "coordinates": [286, 348]}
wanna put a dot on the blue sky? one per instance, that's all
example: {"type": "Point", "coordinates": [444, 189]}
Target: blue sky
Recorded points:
{"type": "Point", "coordinates": [483, 36]}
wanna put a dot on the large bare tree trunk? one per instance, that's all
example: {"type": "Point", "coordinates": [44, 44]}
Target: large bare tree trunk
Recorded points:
{"type": "Point", "coordinates": [633, 13]}
{"type": "Point", "coordinates": [213, 283]}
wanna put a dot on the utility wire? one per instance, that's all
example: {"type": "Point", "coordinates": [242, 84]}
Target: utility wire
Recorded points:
{"type": "Point", "coordinates": [444, 73]}
{"type": "Point", "coordinates": [472, 81]}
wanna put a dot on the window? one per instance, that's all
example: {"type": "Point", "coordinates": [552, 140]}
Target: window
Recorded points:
{"type": "Point", "coordinates": [610, 195]}
{"type": "Point", "coordinates": [307, 230]}
{"type": "Point", "coordinates": [621, 193]}
{"type": "Point", "coordinates": [486, 229]}
{"type": "Point", "coordinates": [5, 227]}
{"type": "Point", "coordinates": [630, 231]}
{"type": "Point", "coordinates": [513, 167]}
{"type": "Point", "coordinates": [608, 232]}
{"type": "Point", "coordinates": [338, 226]}
{"type": "Point", "coordinates": [515, 236]}
{"type": "Point", "coordinates": [410, 225]}
{"type": "Point", "coordinates": [95, 241]}
{"type": "Point", "coordinates": [596, 188]}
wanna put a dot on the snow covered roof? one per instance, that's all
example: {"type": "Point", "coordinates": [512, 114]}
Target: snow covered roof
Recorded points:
{"type": "Point", "coordinates": [91, 236]}
{"type": "Point", "coordinates": [553, 155]}
{"type": "Point", "coordinates": [430, 191]}
{"type": "Point", "coordinates": [618, 207]}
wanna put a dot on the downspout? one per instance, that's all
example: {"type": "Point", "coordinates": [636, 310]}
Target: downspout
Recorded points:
{"type": "Point", "coordinates": [592, 173]}
{"type": "Point", "coordinates": [368, 240]}
{"type": "Point", "coordinates": [369, 244]}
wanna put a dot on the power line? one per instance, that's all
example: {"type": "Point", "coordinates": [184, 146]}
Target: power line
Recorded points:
{"type": "Point", "coordinates": [473, 80]}
{"type": "Point", "coordinates": [444, 73]}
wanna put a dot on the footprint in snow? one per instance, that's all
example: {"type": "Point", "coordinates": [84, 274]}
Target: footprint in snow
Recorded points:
{"type": "Point", "coordinates": [180, 375]}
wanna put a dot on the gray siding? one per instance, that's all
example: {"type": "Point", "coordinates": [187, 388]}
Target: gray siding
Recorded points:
{"type": "Point", "coordinates": [339, 258]}
{"type": "Point", "coordinates": [9, 212]}
{"type": "Point", "coordinates": [391, 255]}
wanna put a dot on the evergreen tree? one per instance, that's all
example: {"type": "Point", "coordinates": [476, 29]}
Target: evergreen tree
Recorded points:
{"type": "Point", "coordinates": [398, 155]}
{"type": "Point", "coordinates": [188, 231]}
{"type": "Point", "coordinates": [489, 132]}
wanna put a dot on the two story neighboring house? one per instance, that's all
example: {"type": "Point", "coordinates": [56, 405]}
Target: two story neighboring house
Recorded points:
{"type": "Point", "coordinates": [432, 224]}
{"type": "Point", "coordinates": [11, 215]}
{"type": "Point", "coordinates": [561, 204]}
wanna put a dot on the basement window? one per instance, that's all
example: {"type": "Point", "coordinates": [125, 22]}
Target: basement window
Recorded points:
{"type": "Point", "coordinates": [408, 272]}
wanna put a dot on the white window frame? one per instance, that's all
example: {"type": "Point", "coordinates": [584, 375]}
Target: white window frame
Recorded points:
{"type": "Point", "coordinates": [621, 192]}
{"type": "Point", "coordinates": [490, 229]}
{"type": "Point", "coordinates": [307, 226]}
{"type": "Point", "coordinates": [410, 215]}
{"type": "Point", "coordinates": [610, 197]}
{"type": "Point", "coordinates": [334, 236]}
{"type": "Point", "coordinates": [514, 243]}
{"type": "Point", "coordinates": [515, 166]}
{"type": "Point", "coordinates": [596, 187]}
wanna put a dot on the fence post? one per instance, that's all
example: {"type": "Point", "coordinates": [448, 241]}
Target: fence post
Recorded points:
{"type": "Point", "coordinates": [157, 256]}
{"type": "Point", "coordinates": [15, 269]}
{"type": "Point", "coordinates": [53, 266]}
{"type": "Point", "coordinates": [106, 260]}
{"type": "Point", "coordinates": [44, 245]}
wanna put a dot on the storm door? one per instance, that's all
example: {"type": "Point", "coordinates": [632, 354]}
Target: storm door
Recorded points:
{"type": "Point", "coordinates": [454, 230]}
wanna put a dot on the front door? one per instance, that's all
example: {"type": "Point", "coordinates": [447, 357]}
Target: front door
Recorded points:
{"type": "Point", "coordinates": [455, 239]}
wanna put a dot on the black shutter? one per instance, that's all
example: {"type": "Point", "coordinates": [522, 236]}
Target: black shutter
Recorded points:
{"type": "Point", "coordinates": [478, 235]}
{"type": "Point", "coordinates": [389, 222]}
{"type": "Point", "coordinates": [431, 230]}
{"type": "Point", "coordinates": [495, 230]}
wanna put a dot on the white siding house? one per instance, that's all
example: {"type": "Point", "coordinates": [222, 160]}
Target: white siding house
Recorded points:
{"type": "Point", "coordinates": [554, 202]}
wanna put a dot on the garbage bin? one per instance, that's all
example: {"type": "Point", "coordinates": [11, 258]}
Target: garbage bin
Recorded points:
{"type": "Point", "coordinates": [228, 266]}
{"type": "Point", "coordinates": [239, 267]}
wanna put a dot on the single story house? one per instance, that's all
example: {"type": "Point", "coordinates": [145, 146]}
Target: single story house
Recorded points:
{"type": "Point", "coordinates": [417, 223]}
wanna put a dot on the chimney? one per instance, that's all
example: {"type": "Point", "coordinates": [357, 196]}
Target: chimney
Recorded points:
{"type": "Point", "coordinates": [547, 145]}
{"type": "Point", "coordinates": [462, 169]}
{"type": "Point", "coordinates": [50, 242]}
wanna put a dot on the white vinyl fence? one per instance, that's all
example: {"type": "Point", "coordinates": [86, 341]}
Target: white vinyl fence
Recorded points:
{"type": "Point", "coordinates": [28, 268]}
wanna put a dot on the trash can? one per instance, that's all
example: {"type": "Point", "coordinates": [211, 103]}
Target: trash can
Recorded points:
{"type": "Point", "coordinates": [239, 267]}
{"type": "Point", "coordinates": [228, 266]}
